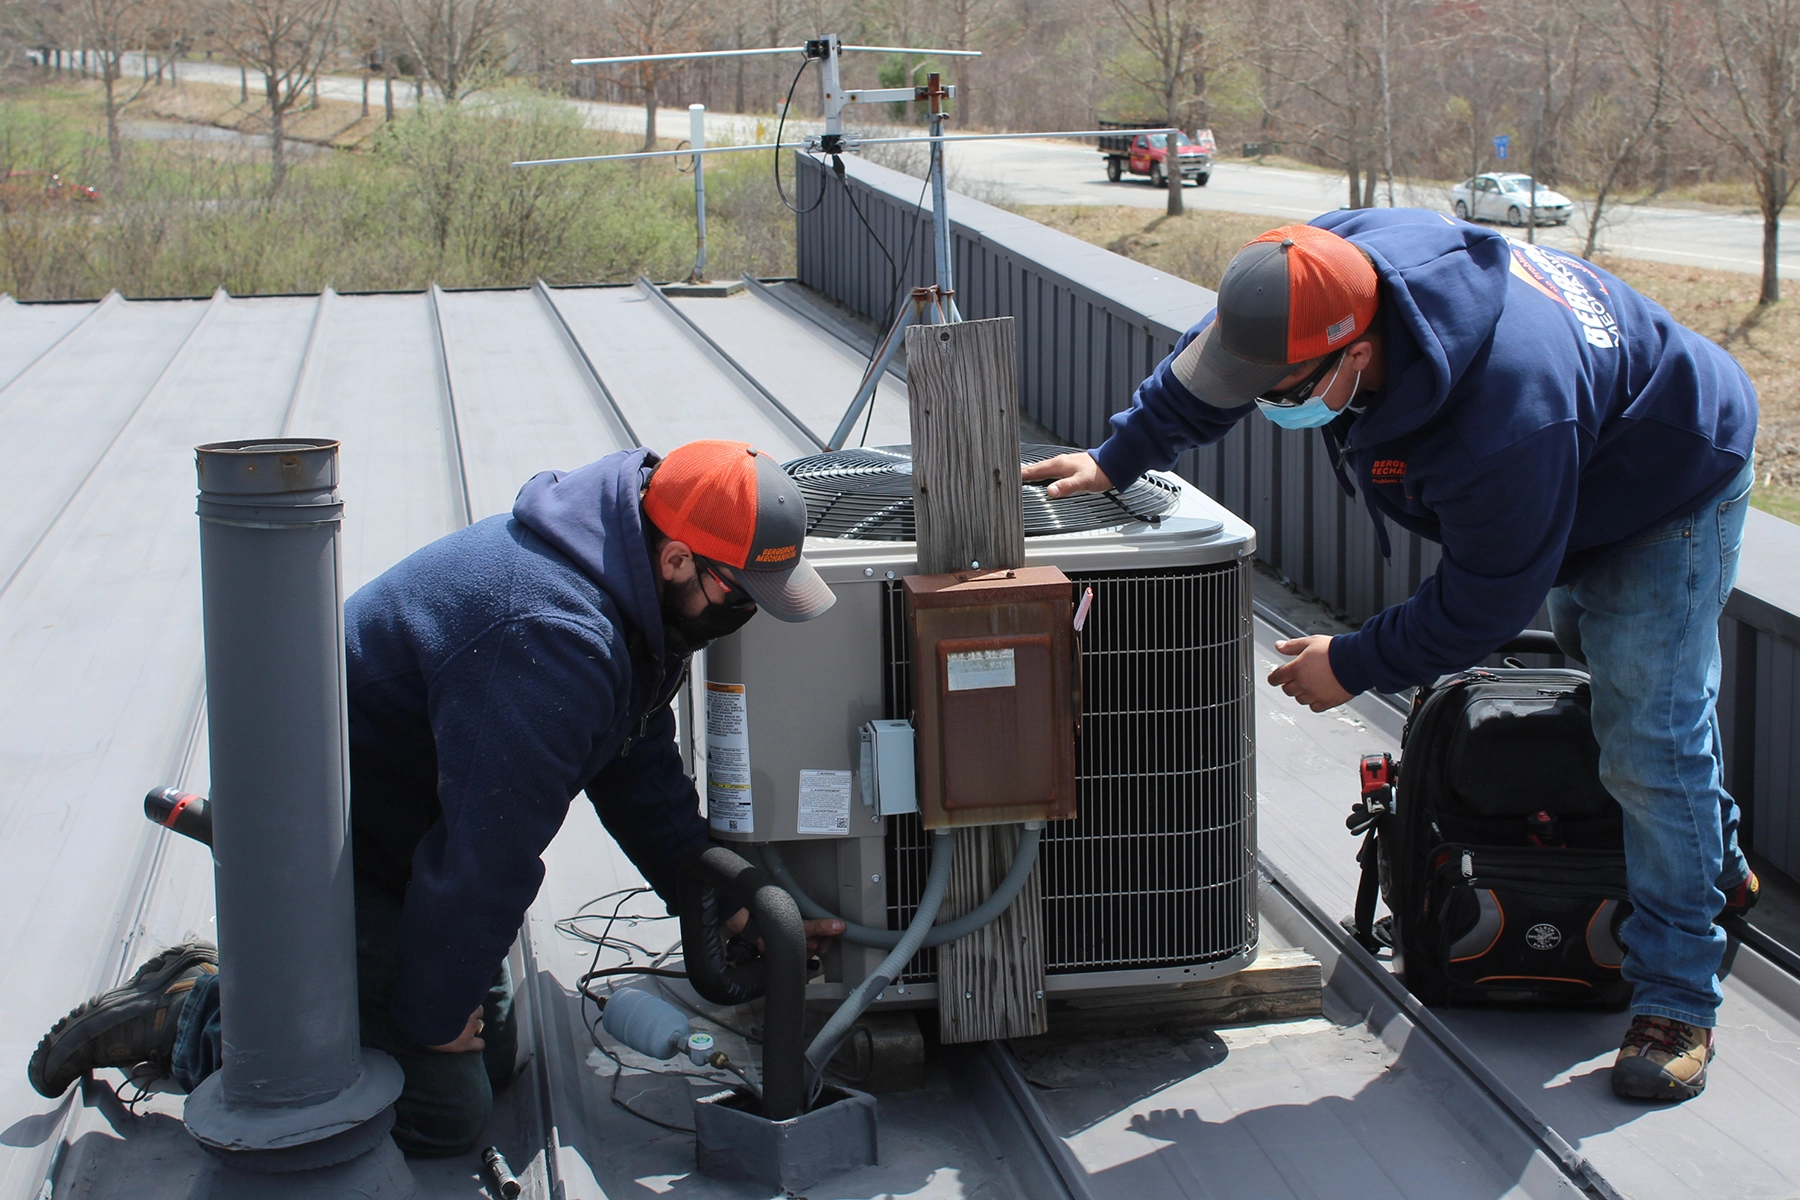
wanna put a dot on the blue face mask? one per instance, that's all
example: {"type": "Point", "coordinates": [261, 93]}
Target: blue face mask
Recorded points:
{"type": "Point", "coordinates": [1309, 415]}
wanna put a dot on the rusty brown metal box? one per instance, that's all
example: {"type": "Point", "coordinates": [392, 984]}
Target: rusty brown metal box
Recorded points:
{"type": "Point", "coordinates": [994, 681]}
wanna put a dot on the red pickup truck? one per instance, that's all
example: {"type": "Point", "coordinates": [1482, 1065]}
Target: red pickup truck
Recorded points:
{"type": "Point", "coordinates": [1143, 153]}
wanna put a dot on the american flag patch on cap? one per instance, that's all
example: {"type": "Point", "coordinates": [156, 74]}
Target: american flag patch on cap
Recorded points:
{"type": "Point", "coordinates": [1341, 329]}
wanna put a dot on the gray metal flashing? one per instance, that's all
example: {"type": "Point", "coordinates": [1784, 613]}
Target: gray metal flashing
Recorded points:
{"type": "Point", "coordinates": [62, 321]}
{"type": "Point", "coordinates": [836, 328]}
{"type": "Point", "coordinates": [306, 361]}
{"type": "Point", "coordinates": [1165, 304]}
{"type": "Point", "coordinates": [656, 294]}
{"type": "Point", "coordinates": [181, 348]}
{"type": "Point", "coordinates": [453, 427]}
{"type": "Point", "coordinates": [1340, 948]}
{"type": "Point", "coordinates": [1768, 584]}
{"type": "Point", "coordinates": [543, 292]}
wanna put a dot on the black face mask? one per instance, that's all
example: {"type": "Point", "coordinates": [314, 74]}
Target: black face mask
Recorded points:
{"type": "Point", "coordinates": [684, 634]}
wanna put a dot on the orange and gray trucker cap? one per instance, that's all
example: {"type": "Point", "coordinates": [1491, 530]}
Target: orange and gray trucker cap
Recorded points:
{"type": "Point", "coordinates": [737, 508]}
{"type": "Point", "coordinates": [1292, 295]}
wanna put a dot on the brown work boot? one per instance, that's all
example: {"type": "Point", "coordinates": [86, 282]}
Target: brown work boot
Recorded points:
{"type": "Point", "coordinates": [134, 1023]}
{"type": "Point", "coordinates": [1662, 1059]}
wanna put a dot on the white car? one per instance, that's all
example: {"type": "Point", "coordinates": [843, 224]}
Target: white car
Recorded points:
{"type": "Point", "coordinates": [1506, 197]}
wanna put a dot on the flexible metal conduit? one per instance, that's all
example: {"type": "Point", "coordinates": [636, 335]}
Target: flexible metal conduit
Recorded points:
{"type": "Point", "coordinates": [885, 939]}
{"type": "Point", "coordinates": [937, 885]}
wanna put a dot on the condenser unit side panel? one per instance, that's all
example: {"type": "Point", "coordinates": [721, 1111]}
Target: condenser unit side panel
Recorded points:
{"type": "Point", "coordinates": [784, 707]}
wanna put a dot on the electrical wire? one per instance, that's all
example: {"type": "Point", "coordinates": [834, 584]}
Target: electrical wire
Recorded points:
{"type": "Point", "coordinates": [571, 927]}
{"type": "Point", "coordinates": [780, 123]}
{"type": "Point", "coordinates": [896, 282]}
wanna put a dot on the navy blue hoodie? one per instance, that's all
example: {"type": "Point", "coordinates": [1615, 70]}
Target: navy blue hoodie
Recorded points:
{"type": "Point", "coordinates": [1534, 410]}
{"type": "Point", "coordinates": [493, 675]}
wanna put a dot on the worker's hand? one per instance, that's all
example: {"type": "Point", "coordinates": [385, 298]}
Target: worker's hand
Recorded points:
{"type": "Point", "coordinates": [818, 933]}
{"type": "Point", "coordinates": [1071, 473]}
{"type": "Point", "coordinates": [470, 1039]}
{"type": "Point", "coordinates": [1309, 678]}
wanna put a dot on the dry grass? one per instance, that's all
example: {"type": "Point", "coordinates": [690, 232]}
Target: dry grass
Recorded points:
{"type": "Point", "coordinates": [1195, 246]}
{"type": "Point", "coordinates": [1719, 304]}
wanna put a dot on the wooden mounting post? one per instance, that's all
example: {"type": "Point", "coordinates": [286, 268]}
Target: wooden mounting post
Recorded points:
{"type": "Point", "coordinates": [963, 382]}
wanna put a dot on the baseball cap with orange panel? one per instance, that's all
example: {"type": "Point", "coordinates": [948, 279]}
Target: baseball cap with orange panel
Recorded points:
{"type": "Point", "coordinates": [1291, 295]}
{"type": "Point", "coordinates": [737, 508]}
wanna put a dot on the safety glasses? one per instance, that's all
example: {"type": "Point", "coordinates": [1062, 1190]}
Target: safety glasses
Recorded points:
{"type": "Point", "coordinates": [733, 592]}
{"type": "Point", "coordinates": [1301, 392]}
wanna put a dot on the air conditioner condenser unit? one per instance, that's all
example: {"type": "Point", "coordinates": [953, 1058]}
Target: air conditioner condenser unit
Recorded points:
{"type": "Point", "coordinates": [801, 739]}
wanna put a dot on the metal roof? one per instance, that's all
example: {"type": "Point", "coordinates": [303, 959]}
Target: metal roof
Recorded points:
{"type": "Point", "coordinates": [446, 402]}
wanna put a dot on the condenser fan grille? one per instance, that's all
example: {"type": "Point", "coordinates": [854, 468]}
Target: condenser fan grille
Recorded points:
{"type": "Point", "coordinates": [868, 494]}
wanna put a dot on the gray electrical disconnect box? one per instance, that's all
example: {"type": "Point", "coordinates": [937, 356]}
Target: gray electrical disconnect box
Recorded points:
{"type": "Point", "coordinates": [888, 784]}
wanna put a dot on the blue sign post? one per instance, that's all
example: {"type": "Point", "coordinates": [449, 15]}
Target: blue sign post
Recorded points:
{"type": "Point", "coordinates": [1501, 142]}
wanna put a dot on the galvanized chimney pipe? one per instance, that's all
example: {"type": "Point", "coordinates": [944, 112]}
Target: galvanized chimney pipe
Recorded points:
{"type": "Point", "coordinates": [295, 1091]}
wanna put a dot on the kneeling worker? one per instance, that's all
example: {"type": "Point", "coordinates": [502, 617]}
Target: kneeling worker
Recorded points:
{"type": "Point", "coordinates": [492, 675]}
{"type": "Point", "coordinates": [1560, 435]}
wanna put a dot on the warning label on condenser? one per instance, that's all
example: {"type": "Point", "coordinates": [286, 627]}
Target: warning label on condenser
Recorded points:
{"type": "Point", "coordinates": [728, 807]}
{"type": "Point", "coordinates": [824, 802]}
{"type": "Point", "coordinates": [979, 669]}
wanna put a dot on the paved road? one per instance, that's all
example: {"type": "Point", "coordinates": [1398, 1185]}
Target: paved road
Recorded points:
{"type": "Point", "coordinates": [1051, 172]}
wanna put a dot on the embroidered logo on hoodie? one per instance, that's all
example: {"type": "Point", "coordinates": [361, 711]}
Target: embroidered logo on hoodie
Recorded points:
{"type": "Point", "coordinates": [1554, 276]}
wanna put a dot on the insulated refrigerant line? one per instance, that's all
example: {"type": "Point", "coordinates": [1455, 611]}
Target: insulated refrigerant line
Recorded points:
{"type": "Point", "coordinates": [667, 305]}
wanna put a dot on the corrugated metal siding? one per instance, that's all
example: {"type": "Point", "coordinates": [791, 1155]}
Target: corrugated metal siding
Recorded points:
{"type": "Point", "coordinates": [1092, 325]}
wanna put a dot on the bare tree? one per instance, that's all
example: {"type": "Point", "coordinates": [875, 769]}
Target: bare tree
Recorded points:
{"type": "Point", "coordinates": [1169, 33]}
{"type": "Point", "coordinates": [108, 30]}
{"type": "Point", "coordinates": [653, 27]}
{"type": "Point", "coordinates": [1627, 100]}
{"type": "Point", "coordinates": [458, 44]}
{"type": "Point", "coordinates": [286, 42]}
{"type": "Point", "coordinates": [1754, 52]}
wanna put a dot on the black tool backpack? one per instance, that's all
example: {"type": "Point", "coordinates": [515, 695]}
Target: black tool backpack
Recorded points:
{"type": "Point", "coordinates": [1495, 845]}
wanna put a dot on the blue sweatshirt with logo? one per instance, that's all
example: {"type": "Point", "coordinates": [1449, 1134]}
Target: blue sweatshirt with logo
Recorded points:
{"type": "Point", "coordinates": [1534, 411]}
{"type": "Point", "coordinates": [493, 675]}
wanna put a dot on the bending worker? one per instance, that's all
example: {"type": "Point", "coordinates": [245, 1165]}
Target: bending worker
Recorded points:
{"type": "Point", "coordinates": [492, 676]}
{"type": "Point", "coordinates": [1560, 435]}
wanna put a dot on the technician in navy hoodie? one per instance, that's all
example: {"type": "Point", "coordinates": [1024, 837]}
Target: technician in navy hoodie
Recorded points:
{"type": "Point", "coordinates": [1562, 437]}
{"type": "Point", "coordinates": [492, 675]}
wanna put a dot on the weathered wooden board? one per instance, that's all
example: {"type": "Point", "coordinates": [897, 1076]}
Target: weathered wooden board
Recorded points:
{"type": "Point", "coordinates": [963, 383]}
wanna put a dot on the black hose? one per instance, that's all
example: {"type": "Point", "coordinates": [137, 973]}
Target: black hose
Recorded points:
{"type": "Point", "coordinates": [778, 975]}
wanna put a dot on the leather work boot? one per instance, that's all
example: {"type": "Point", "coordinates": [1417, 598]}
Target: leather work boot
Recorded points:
{"type": "Point", "coordinates": [1662, 1059]}
{"type": "Point", "coordinates": [133, 1023]}
{"type": "Point", "coordinates": [1742, 898]}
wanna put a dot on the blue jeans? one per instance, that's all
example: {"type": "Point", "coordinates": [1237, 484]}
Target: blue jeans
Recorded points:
{"type": "Point", "coordinates": [1645, 617]}
{"type": "Point", "coordinates": [447, 1098]}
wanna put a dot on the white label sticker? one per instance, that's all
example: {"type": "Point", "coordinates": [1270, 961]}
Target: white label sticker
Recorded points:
{"type": "Point", "coordinates": [980, 669]}
{"type": "Point", "coordinates": [728, 806]}
{"type": "Point", "coordinates": [824, 802]}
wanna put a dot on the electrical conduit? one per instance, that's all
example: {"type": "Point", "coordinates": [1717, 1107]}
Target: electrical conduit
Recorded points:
{"type": "Point", "coordinates": [937, 884]}
{"type": "Point", "coordinates": [938, 935]}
